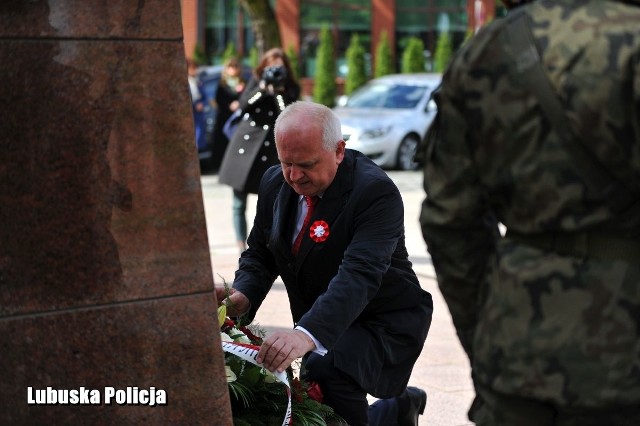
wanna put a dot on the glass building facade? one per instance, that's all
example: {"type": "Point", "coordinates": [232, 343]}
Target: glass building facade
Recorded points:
{"type": "Point", "coordinates": [225, 22]}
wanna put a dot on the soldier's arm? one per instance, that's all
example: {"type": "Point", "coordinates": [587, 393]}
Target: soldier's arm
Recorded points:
{"type": "Point", "coordinates": [456, 222]}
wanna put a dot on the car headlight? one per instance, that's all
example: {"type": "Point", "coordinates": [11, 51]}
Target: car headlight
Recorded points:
{"type": "Point", "coordinates": [376, 132]}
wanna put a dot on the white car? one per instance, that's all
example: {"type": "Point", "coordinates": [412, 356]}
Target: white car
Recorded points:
{"type": "Point", "coordinates": [387, 118]}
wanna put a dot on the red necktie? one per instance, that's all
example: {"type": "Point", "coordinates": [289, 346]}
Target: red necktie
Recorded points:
{"type": "Point", "coordinates": [311, 202]}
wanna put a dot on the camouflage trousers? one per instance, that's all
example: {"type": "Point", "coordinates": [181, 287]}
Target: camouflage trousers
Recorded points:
{"type": "Point", "coordinates": [491, 408]}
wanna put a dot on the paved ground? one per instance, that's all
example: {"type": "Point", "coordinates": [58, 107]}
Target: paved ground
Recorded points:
{"type": "Point", "coordinates": [442, 369]}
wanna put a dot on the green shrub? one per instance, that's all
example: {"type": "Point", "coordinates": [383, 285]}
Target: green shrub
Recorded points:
{"type": "Point", "coordinates": [384, 59]}
{"type": "Point", "coordinates": [324, 87]}
{"type": "Point", "coordinates": [229, 52]}
{"type": "Point", "coordinates": [254, 58]}
{"type": "Point", "coordinates": [413, 56]}
{"type": "Point", "coordinates": [199, 57]}
{"type": "Point", "coordinates": [295, 62]}
{"type": "Point", "coordinates": [356, 72]}
{"type": "Point", "coordinates": [444, 50]}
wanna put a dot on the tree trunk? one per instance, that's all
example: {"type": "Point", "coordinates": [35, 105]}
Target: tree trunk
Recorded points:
{"type": "Point", "coordinates": [264, 24]}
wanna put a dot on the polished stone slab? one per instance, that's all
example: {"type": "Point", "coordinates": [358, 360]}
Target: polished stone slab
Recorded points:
{"type": "Point", "coordinates": [166, 344]}
{"type": "Point", "coordinates": [105, 273]}
{"type": "Point", "coordinates": [99, 166]}
{"type": "Point", "coordinates": [110, 19]}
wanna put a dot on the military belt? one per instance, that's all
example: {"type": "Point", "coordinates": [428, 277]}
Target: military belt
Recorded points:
{"type": "Point", "coordinates": [596, 245]}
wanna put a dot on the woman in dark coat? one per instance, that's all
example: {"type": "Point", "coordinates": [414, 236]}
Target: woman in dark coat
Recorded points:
{"type": "Point", "coordinates": [227, 94]}
{"type": "Point", "coordinates": [252, 150]}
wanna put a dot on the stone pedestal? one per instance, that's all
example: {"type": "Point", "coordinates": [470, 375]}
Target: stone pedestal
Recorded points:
{"type": "Point", "coordinates": [105, 273]}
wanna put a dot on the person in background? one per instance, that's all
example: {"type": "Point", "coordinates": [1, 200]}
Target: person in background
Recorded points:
{"type": "Point", "coordinates": [198, 101]}
{"type": "Point", "coordinates": [538, 129]}
{"type": "Point", "coordinates": [226, 100]}
{"type": "Point", "coordinates": [330, 223]}
{"type": "Point", "coordinates": [251, 150]}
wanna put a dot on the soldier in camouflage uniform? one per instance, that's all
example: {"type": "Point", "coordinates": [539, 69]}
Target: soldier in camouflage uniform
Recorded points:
{"type": "Point", "coordinates": [549, 314]}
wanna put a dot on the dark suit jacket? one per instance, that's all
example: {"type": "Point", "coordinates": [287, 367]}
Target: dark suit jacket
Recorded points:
{"type": "Point", "coordinates": [357, 283]}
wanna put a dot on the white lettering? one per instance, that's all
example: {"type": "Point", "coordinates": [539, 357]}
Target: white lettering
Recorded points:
{"type": "Point", "coordinates": [161, 397]}
{"type": "Point", "coordinates": [132, 395]}
{"type": "Point", "coordinates": [51, 396]}
{"type": "Point", "coordinates": [109, 392]}
{"type": "Point", "coordinates": [95, 396]}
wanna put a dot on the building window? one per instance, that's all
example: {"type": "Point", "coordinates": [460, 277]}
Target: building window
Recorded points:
{"type": "Point", "coordinates": [226, 22]}
{"type": "Point", "coordinates": [344, 18]}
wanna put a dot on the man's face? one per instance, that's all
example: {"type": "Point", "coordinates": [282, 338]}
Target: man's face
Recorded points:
{"type": "Point", "coordinates": [306, 165]}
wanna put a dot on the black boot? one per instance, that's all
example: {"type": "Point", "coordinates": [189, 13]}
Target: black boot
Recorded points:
{"type": "Point", "coordinates": [410, 405]}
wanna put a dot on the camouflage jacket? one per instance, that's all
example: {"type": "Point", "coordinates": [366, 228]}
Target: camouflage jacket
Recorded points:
{"type": "Point", "coordinates": [537, 322]}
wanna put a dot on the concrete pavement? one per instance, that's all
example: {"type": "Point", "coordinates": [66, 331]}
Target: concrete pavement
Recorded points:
{"type": "Point", "coordinates": [442, 369]}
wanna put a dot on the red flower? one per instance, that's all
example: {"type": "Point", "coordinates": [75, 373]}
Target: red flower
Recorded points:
{"type": "Point", "coordinates": [314, 392]}
{"type": "Point", "coordinates": [297, 390]}
{"type": "Point", "coordinates": [319, 231]}
{"type": "Point", "coordinates": [255, 339]}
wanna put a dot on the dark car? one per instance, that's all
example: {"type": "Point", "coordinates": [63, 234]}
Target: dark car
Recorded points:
{"type": "Point", "coordinates": [210, 78]}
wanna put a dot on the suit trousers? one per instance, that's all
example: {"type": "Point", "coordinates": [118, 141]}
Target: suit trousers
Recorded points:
{"type": "Point", "coordinates": [340, 392]}
{"type": "Point", "coordinates": [346, 397]}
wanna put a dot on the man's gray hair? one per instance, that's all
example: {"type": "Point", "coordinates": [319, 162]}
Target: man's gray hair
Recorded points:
{"type": "Point", "coordinates": [313, 114]}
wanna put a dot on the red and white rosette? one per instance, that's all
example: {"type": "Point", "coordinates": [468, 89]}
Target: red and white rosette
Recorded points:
{"type": "Point", "coordinates": [319, 231]}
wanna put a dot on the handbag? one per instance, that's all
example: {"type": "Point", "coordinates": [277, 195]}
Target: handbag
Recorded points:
{"type": "Point", "coordinates": [231, 124]}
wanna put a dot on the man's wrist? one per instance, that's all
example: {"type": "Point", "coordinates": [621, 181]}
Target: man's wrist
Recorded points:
{"type": "Point", "coordinates": [317, 347]}
{"type": "Point", "coordinates": [310, 345]}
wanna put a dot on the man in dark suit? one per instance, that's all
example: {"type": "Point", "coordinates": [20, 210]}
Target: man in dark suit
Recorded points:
{"type": "Point", "coordinates": [360, 316]}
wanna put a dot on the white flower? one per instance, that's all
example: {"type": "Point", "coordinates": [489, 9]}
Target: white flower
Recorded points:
{"type": "Point", "coordinates": [231, 376]}
{"type": "Point", "coordinates": [239, 336]}
{"type": "Point", "coordinates": [225, 337]}
{"type": "Point", "coordinates": [319, 231]}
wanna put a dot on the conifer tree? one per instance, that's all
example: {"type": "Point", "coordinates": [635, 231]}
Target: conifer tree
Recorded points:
{"type": "Point", "coordinates": [413, 56]}
{"type": "Point", "coordinates": [293, 58]}
{"type": "Point", "coordinates": [356, 71]}
{"type": "Point", "coordinates": [444, 50]}
{"type": "Point", "coordinates": [253, 57]}
{"type": "Point", "coordinates": [229, 52]}
{"type": "Point", "coordinates": [384, 59]}
{"type": "Point", "coordinates": [199, 57]}
{"type": "Point", "coordinates": [324, 87]}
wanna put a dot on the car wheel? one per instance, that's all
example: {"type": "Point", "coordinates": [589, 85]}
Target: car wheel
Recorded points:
{"type": "Point", "coordinates": [406, 153]}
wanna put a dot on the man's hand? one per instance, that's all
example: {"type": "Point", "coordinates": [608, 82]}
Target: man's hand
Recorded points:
{"type": "Point", "coordinates": [281, 348]}
{"type": "Point", "coordinates": [237, 304]}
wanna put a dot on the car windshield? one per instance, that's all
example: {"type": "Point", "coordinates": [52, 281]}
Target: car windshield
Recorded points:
{"type": "Point", "coordinates": [379, 95]}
